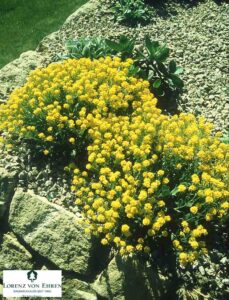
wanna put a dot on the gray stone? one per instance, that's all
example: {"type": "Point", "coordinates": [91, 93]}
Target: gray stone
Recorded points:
{"type": "Point", "coordinates": [50, 230]}
{"type": "Point", "coordinates": [88, 7]}
{"type": "Point", "coordinates": [13, 255]}
{"type": "Point", "coordinates": [14, 74]}
{"type": "Point", "coordinates": [130, 279]}
{"type": "Point", "coordinates": [8, 181]}
{"type": "Point", "coordinates": [75, 289]}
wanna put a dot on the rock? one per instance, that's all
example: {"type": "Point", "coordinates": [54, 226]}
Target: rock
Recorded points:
{"type": "Point", "coordinates": [50, 230]}
{"type": "Point", "coordinates": [14, 74]}
{"type": "Point", "coordinates": [83, 10]}
{"type": "Point", "coordinates": [8, 181]}
{"type": "Point", "coordinates": [130, 279]}
{"type": "Point", "coordinates": [13, 255]}
{"type": "Point", "coordinates": [77, 290]}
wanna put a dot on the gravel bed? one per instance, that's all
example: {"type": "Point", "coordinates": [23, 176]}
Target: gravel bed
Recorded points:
{"type": "Point", "coordinates": [195, 33]}
{"type": "Point", "coordinates": [45, 178]}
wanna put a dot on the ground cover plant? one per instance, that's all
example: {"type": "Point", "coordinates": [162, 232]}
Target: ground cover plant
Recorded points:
{"type": "Point", "coordinates": [140, 177]}
{"type": "Point", "coordinates": [91, 47]}
{"type": "Point", "coordinates": [132, 12]}
{"type": "Point", "coordinates": [32, 20]}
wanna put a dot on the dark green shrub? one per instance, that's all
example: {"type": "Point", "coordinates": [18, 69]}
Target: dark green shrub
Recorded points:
{"type": "Point", "coordinates": [149, 63]}
{"type": "Point", "coordinates": [132, 12]}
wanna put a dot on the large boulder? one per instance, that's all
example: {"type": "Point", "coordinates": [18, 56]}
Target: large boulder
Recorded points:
{"type": "Point", "coordinates": [51, 231]}
{"type": "Point", "coordinates": [8, 181]}
{"type": "Point", "coordinates": [14, 74]}
{"type": "Point", "coordinates": [13, 255]}
{"type": "Point", "coordinates": [130, 279]}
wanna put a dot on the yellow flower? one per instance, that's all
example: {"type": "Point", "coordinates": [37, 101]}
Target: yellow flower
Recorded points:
{"type": "Point", "coordinates": [46, 152]}
{"type": "Point", "coordinates": [146, 221]}
{"type": "Point", "coordinates": [129, 248]}
{"type": "Point", "coordinates": [160, 173]}
{"type": "Point", "coordinates": [176, 243]}
{"type": "Point", "coordinates": [194, 244]}
{"type": "Point", "coordinates": [194, 209]}
{"type": "Point", "coordinates": [142, 195]}
{"type": "Point", "coordinates": [209, 199]}
{"type": "Point", "coordinates": [161, 203]}
{"type": "Point", "coordinates": [178, 166]}
{"type": "Point", "coordinates": [49, 138]}
{"type": "Point", "coordinates": [183, 257]}
{"type": "Point", "coordinates": [41, 135]}
{"type": "Point", "coordinates": [72, 140]}
{"type": "Point", "coordinates": [104, 242]}
{"type": "Point", "coordinates": [195, 179]}
{"type": "Point", "coordinates": [125, 228]}
{"type": "Point", "coordinates": [181, 188]}
{"type": "Point", "coordinates": [117, 240]}
{"type": "Point", "coordinates": [184, 223]}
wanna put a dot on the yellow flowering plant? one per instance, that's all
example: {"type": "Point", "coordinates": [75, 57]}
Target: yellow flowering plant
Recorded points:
{"type": "Point", "coordinates": [146, 179]}
{"type": "Point", "coordinates": [154, 178]}
{"type": "Point", "coordinates": [53, 109]}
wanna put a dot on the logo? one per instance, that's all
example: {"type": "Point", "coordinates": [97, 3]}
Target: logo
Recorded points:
{"type": "Point", "coordinates": [32, 283]}
{"type": "Point", "coordinates": [32, 275]}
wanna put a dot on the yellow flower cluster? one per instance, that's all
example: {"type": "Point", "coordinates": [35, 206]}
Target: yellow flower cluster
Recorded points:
{"type": "Point", "coordinates": [54, 107]}
{"type": "Point", "coordinates": [148, 178]}
{"type": "Point", "coordinates": [138, 195]}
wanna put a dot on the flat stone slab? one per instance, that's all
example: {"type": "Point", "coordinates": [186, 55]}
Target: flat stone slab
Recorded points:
{"type": "Point", "coordinates": [51, 231]}
{"type": "Point", "coordinates": [13, 255]}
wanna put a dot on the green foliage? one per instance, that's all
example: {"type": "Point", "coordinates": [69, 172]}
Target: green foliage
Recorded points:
{"type": "Point", "coordinates": [124, 46]}
{"type": "Point", "coordinates": [90, 47]}
{"type": "Point", "coordinates": [149, 63]}
{"type": "Point", "coordinates": [225, 138]}
{"type": "Point", "coordinates": [132, 12]}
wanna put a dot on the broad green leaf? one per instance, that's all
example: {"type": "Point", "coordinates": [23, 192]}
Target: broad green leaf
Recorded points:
{"type": "Point", "coordinates": [162, 54]}
{"type": "Point", "coordinates": [176, 81]}
{"type": "Point", "coordinates": [225, 139]}
{"type": "Point", "coordinates": [126, 44]}
{"type": "Point", "coordinates": [151, 46]}
{"type": "Point", "coordinates": [157, 83]}
{"type": "Point", "coordinates": [172, 66]}
{"type": "Point", "coordinates": [113, 45]}
{"type": "Point", "coordinates": [85, 51]}
{"type": "Point", "coordinates": [162, 68]}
